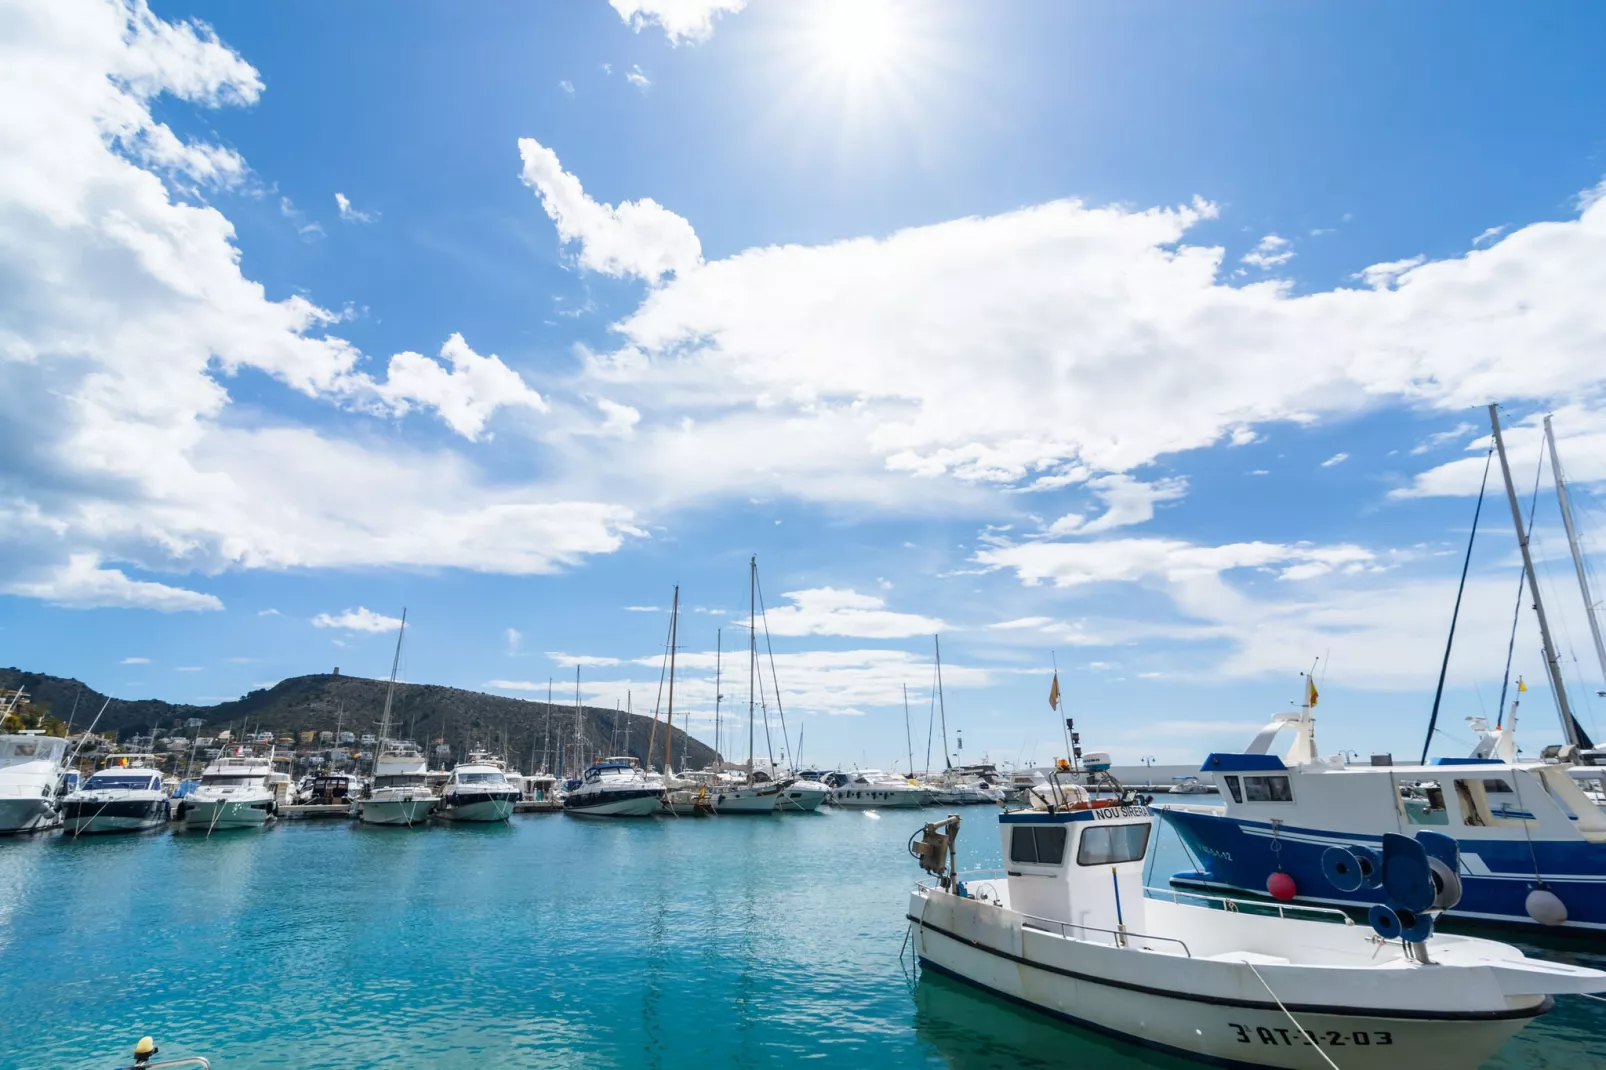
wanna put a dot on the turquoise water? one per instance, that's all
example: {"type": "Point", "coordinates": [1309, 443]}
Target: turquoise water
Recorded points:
{"type": "Point", "coordinates": [551, 942]}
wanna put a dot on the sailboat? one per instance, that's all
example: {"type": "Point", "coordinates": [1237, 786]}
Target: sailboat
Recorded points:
{"type": "Point", "coordinates": [400, 793]}
{"type": "Point", "coordinates": [683, 796]}
{"type": "Point", "coordinates": [752, 795]}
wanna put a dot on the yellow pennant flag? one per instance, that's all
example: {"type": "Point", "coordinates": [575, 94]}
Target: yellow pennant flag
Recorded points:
{"type": "Point", "coordinates": [1521, 687]}
{"type": "Point", "coordinates": [1054, 693]}
{"type": "Point", "coordinates": [1310, 691]}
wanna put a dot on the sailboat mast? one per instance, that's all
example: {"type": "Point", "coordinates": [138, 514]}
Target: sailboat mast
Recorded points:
{"type": "Point", "coordinates": [546, 734]}
{"type": "Point", "coordinates": [1552, 661]}
{"type": "Point", "coordinates": [908, 739]}
{"type": "Point", "coordinates": [1565, 499]}
{"type": "Point", "coordinates": [669, 719]}
{"type": "Point", "coordinates": [390, 691]}
{"type": "Point", "coordinates": [942, 705]}
{"type": "Point", "coordinates": [752, 653]}
{"type": "Point", "coordinates": [579, 736]}
{"type": "Point", "coordinates": [719, 642]}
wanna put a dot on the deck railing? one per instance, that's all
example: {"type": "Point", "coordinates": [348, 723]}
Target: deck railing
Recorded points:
{"type": "Point", "coordinates": [1255, 906]}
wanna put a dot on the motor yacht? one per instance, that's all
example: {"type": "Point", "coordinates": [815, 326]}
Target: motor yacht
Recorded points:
{"type": "Point", "coordinates": [801, 796]}
{"type": "Point", "coordinates": [477, 790]}
{"type": "Point", "coordinates": [126, 797]}
{"type": "Point", "coordinates": [30, 777]}
{"type": "Point", "coordinates": [400, 792]}
{"type": "Point", "coordinates": [872, 789]}
{"type": "Point", "coordinates": [234, 793]}
{"type": "Point", "coordinates": [1069, 930]}
{"type": "Point", "coordinates": [615, 787]}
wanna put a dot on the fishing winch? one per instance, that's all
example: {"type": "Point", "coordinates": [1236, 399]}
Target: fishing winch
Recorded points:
{"type": "Point", "coordinates": [1419, 877]}
{"type": "Point", "coordinates": [933, 848]}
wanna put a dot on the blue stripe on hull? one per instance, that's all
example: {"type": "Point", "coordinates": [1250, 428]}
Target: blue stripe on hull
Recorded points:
{"type": "Point", "coordinates": [1234, 853]}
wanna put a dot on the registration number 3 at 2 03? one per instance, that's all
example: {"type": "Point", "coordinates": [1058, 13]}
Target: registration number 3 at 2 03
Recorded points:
{"type": "Point", "coordinates": [1327, 1038]}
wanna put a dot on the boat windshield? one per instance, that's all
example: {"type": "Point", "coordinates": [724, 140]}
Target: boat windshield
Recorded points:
{"type": "Point", "coordinates": [224, 780]}
{"type": "Point", "coordinates": [481, 778]}
{"type": "Point", "coordinates": [101, 782]}
{"type": "Point", "coordinates": [402, 780]}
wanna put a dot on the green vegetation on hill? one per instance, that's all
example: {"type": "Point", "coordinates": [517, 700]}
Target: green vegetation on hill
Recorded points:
{"type": "Point", "coordinates": [423, 712]}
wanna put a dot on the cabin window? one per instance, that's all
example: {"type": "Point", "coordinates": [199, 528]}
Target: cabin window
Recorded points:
{"type": "Point", "coordinates": [1233, 789]}
{"type": "Point", "coordinates": [1105, 845]}
{"type": "Point", "coordinates": [1037, 845]}
{"type": "Point", "coordinates": [1268, 789]}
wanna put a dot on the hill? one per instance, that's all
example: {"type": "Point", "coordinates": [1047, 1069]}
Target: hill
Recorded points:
{"type": "Point", "coordinates": [423, 711]}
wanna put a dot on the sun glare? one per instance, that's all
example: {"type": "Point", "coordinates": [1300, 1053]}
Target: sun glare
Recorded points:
{"type": "Point", "coordinates": [860, 39]}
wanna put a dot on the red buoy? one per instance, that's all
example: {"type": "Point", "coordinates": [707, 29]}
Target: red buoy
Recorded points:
{"type": "Point", "coordinates": [1281, 886]}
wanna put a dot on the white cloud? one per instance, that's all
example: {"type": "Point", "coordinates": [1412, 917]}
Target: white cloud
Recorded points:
{"type": "Point", "coordinates": [832, 611]}
{"type": "Point", "coordinates": [1271, 251]}
{"type": "Point", "coordinates": [82, 584]}
{"type": "Point", "coordinates": [1335, 459]}
{"type": "Point", "coordinates": [1580, 440]}
{"type": "Point", "coordinates": [467, 395]}
{"type": "Point", "coordinates": [1127, 501]}
{"type": "Point", "coordinates": [135, 661]}
{"type": "Point", "coordinates": [643, 609]}
{"type": "Point", "coordinates": [682, 20]}
{"type": "Point", "coordinates": [360, 619]}
{"type": "Point", "coordinates": [1488, 236]}
{"type": "Point", "coordinates": [640, 238]}
{"type": "Point", "coordinates": [1071, 564]}
{"type": "Point", "coordinates": [350, 214]}
{"type": "Point", "coordinates": [1021, 622]}
{"type": "Point", "coordinates": [567, 86]}
{"type": "Point", "coordinates": [270, 612]}
{"type": "Point", "coordinates": [188, 668]}
{"type": "Point", "coordinates": [1439, 438]}
{"type": "Point", "coordinates": [514, 637]}
{"type": "Point", "coordinates": [584, 661]}
{"type": "Point", "coordinates": [1382, 276]}
{"type": "Point", "coordinates": [638, 78]}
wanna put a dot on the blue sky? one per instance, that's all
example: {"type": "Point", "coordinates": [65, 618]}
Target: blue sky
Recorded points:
{"type": "Point", "coordinates": [1151, 340]}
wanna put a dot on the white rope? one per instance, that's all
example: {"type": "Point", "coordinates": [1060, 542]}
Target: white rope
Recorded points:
{"type": "Point", "coordinates": [1302, 1030]}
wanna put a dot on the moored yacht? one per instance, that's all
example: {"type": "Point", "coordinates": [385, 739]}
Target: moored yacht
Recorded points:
{"type": "Point", "coordinates": [477, 790]}
{"type": "Point", "coordinates": [234, 793]}
{"type": "Point", "coordinates": [801, 796]}
{"type": "Point", "coordinates": [30, 773]}
{"type": "Point", "coordinates": [120, 798]}
{"type": "Point", "coordinates": [400, 792]}
{"type": "Point", "coordinates": [1068, 930]}
{"type": "Point", "coordinates": [615, 787]}
{"type": "Point", "coordinates": [871, 789]}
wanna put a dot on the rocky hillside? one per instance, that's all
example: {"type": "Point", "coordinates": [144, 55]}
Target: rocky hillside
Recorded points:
{"type": "Point", "coordinates": [424, 712]}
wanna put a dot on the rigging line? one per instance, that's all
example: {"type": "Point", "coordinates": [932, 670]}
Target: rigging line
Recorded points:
{"type": "Point", "coordinates": [931, 721]}
{"type": "Point", "coordinates": [1455, 614]}
{"type": "Point", "coordinates": [663, 669]}
{"type": "Point", "coordinates": [1302, 1030]}
{"type": "Point", "coordinates": [1516, 613]}
{"type": "Point", "coordinates": [775, 681]}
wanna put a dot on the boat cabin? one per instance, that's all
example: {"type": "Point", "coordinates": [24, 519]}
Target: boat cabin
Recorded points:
{"type": "Point", "coordinates": [1080, 866]}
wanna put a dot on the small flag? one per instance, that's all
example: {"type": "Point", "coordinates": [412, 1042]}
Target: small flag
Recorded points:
{"type": "Point", "coordinates": [1310, 692]}
{"type": "Point", "coordinates": [1521, 687]}
{"type": "Point", "coordinates": [1054, 693]}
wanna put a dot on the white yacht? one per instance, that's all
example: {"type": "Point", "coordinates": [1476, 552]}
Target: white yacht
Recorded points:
{"type": "Point", "coordinates": [30, 772]}
{"type": "Point", "coordinates": [615, 787]}
{"type": "Point", "coordinates": [120, 798]}
{"type": "Point", "coordinates": [801, 796]}
{"type": "Point", "coordinates": [234, 793]}
{"type": "Point", "coordinates": [477, 790]}
{"type": "Point", "coordinates": [871, 789]}
{"type": "Point", "coordinates": [400, 794]}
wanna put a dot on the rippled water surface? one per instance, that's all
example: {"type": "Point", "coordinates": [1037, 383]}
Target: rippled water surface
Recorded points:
{"type": "Point", "coordinates": [553, 941]}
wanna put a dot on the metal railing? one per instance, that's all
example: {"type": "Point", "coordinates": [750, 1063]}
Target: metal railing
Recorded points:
{"type": "Point", "coordinates": [1256, 906]}
{"type": "Point", "coordinates": [1122, 937]}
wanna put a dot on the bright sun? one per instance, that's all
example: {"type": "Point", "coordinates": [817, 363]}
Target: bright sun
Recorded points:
{"type": "Point", "coordinates": [859, 40]}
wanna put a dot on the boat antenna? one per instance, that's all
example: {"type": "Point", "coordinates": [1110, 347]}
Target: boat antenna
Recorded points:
{"type": "Point", "coordinates": [669, 722]}
{"type": "Point", "coordinates": [942, 704]}
{"type": "Point", "coordinates": [1565, 498]}
{"type": "Point", "coordinates": [1569, 727]}
{"type": "Point", "coordinates": [1455, 614]}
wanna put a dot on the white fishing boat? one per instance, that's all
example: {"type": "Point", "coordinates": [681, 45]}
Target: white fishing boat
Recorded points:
{"type": "Point", "coordinates": [400, 793]}
{"type": "Point", "coordinates": [234, 793]}
{"type": "Point", "coordinates": [1067, 929]}
{"type": "Point", "coordinates": [128, 796]}
{"type": "Point", "coordinates": [477, 790]}
{"type": "Point", "coordinates": [615, 787]}
{"type": "Point", "coordinates": [872, 789]}
{"type": "Point", "coordinates": [30, 773]}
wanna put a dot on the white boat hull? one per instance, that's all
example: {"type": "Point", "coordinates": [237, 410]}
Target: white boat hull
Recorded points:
{"type": "Point", "coordinates": [800, 800]}
{"type": "Point", "coordinates": [874, 797]}
{"type": "Point", "coordinates": [1239, 1025]}
{"type": "Point", "coordinates": [407, 812]}
{"type": "Point", "coordinates": [28, 814]}
{"type": "Point", "coordinates": [211, 815]}
{"type": "Point", "coordinates": [746, 800]}
{"type": "Point", "coordinates": [488, 810]}
{"type": "Point", "coordinates": [644, 805]}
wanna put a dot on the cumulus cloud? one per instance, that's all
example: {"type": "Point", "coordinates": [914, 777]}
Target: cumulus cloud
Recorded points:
{"type": "Point", "coordinates": [466, 395]}
{"type": "Point", "coordinates": [834, 611]}
{"type": "Point", "coordinates": [682, 21]}
{"type": "Point", "coordinates": [350, 214]}
{"type": "Point", "coordinates": [1271, 251]}
{"type": "Point", "coordinates": [82, 584]}
{"type": "Point", "coordinates": [360, 619]}
{"type": "Point", "coordinates": [640, 238]}
{"type": "Point", "coordinates": [1127, 501]}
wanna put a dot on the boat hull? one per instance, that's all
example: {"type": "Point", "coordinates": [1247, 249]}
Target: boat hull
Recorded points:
{"type": "Point", "coordinates": [877, 798]}
{"type": "Point", "coordinates": [747, 800]}
{"type": "Point", "coordinates": [28, 814]}
{"type": "Point", "coordinates": [625, 802]}
{"type": "Point", "coordinates": [208, 815]}
{"type": "Point", "coordinates": [88, 817]}
{"type": "Point", "coordinates": [1243, 1028]}
{"type": "Point", "coordinates": [797, 800]}
{"type": "Point", "coordinates": [1496, 875]}
{"type": "Point", "coordinates": [407, 812]}
{"type": "Point", "coordinates": [483, 807]}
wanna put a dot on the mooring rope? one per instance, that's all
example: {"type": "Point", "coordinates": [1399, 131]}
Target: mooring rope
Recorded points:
{"type": "Point", "coordinates": [1302, 1030]}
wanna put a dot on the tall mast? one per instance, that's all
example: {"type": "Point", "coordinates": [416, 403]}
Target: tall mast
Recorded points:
{"type": "Point", "coordinates": [669, 720]}
{"type": "Point", "coordinates": [546, 734]}
{"type": "Point", "coordinates": [1552, 662]}
{"type": "Point", "coordinates": [719, 643]}
{"type": "Point", "coordinates": [942, 705]}
{"type": "Point", "coordinates": [629, 716]}
{"type": "Point", "coordinates": [752, 653]}
{"type": "Point", "coordinates": [579, 736]}
{"type": "Point", "coordinates": [908, 740]}
{"type": "Point", "coordinates": [391, 691]}
{"type": "Point", "coordinates": [1572, 543]}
